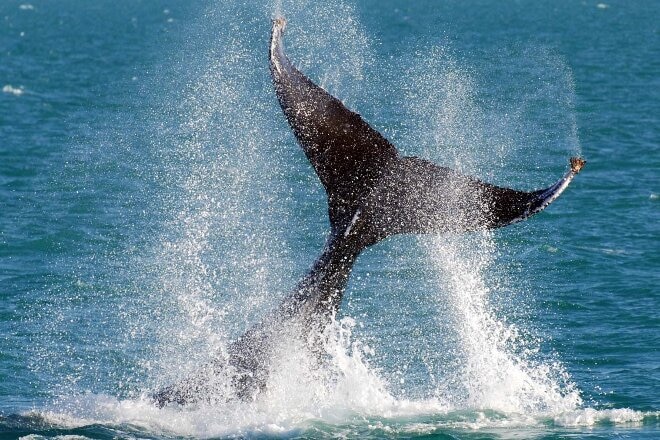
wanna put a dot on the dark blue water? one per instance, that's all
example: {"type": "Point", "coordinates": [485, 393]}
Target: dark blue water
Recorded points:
{"type": "Point", "coordinates": [153, 204]}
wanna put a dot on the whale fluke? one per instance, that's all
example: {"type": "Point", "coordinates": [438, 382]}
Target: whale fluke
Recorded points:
{"type": "Point", "coordinates": [365, 176]}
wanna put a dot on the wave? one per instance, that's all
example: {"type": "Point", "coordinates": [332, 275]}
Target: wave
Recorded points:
{"type": "Point", "coordinates": [102, 416]}
{"type": "Point", "coordinates": [11, 90]}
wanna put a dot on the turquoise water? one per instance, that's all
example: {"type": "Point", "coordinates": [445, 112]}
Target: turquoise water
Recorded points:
{"type": "Point", "coordinates": [154, 204]}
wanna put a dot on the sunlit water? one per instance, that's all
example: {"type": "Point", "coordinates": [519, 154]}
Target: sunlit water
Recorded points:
{"type": "Point", "coordinates": [155, 204]}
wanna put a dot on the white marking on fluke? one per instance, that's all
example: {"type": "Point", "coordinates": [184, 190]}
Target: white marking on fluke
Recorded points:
{"type": "Point", "coordinates": [355, 218]}
{"type": "Point", "coordinates": [279, 24]}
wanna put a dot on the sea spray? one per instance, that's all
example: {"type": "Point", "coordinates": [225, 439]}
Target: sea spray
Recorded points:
{"type": "Point", "coordinates": [499, 369]}
{"type": "Point", "coordinates": [218, 263]}
{"type": "Point", "coordinates": [327, 42]}
{"type": "Point", "coordinates": [444, 105]}
{"type": "Point", "coordinates": [213, 194]}
{"type": "Point", "coordinates": [490, 362]}
{"type": "Point", "coordinates": [456, 114]}
{"type": "Point", "coordinates": [549, 98]}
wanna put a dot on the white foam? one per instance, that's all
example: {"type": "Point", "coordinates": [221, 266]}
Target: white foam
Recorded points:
{"type": "Point", "coordinates": [497, 368]}
{"type": "Point", "coordinates": [56, 437]}
{"type": "Point", "coordinates": [591, 417]}
{"type": "Point", "coordinates": [16, 91]}
{"type": "Point", "coordinates": [346, 394]}
{"type": "Point", "coordinates": [267, 418]}
{"type": "Point", "coordinates": [299, 395]}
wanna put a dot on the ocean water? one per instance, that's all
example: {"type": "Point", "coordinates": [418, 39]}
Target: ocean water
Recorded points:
{"type": "Point", "coordinates": [154, 204]}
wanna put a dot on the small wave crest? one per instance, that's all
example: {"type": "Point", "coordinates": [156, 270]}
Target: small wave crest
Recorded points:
{"type": "Point", "coordinates": [594, 417]}
{"type": "Point", "coordinates": [11, 90]}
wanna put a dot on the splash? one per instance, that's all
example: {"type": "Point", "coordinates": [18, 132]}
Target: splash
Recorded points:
{"type": "Point", "coordinates": [442, 102]}
{"type": "Point", "coordinates": [138, 418]}
{"type": "Point", "coordinates": [468, 118]}
{"type": "Point", "coordinates": [493, 364]}
{"type": "Point", "coordinates": [220, 261]}
{"type": "Point", "coordinates": [219, 253]}
{"type": "Point", "coordinates": [300, 399]}
{"type": "Point", "coordinates": [498, 369]}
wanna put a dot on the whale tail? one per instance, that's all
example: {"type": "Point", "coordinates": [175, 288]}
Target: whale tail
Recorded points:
{"type": "Point", "coordinates": [373, 192]}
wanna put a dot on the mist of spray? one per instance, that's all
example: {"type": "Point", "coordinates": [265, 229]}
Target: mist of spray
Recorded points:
{"type": "Point", "coordinates": [221, 194]}
{"type": "Point", "coordinates": [496, 365]}
{"type": "Point", "coordinates": [221, 260]}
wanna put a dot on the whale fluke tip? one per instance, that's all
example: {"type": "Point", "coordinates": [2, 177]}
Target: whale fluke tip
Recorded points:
{"type": "Point", "coordinates": [577, 163]}
{"type": "Point", "coordinates": [279, 23]}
